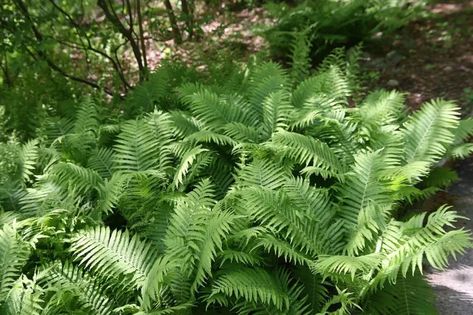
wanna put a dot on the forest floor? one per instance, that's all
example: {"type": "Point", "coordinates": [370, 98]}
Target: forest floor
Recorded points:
{"type": "Point", "coordinates": [433, 58]}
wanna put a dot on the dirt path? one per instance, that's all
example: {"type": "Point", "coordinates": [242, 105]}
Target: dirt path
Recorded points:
{"type": "Point", "coordinates": [454, 287]}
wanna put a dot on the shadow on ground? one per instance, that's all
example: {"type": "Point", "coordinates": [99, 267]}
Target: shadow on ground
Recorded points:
{"type": "Point", "coordinates": [454, 286]}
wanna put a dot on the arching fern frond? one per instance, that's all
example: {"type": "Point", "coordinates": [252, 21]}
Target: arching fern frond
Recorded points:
{"type": "Point", "coordinates": [72, 288]}
{"type": "Point", "coordinates": [316, 156]}
{"type": "Point", "coordinates": [338, 266]}
{"type": "Point", "coordinates": [137, 148]}
{"type": "Point", "coordinates": [14, 253]}
{"type": "Point", "coordinates": [29, 157]}
{"type": "Point", "coordinates": [113, 255]}
{"type": "Point", "coordinates": [429, 131]}
{"type": "Point", "coordinates": [253, 285]}
{"type": "Point", "coordinates": [25, 298]}
{"type": "Point", "coordinates": [102, 162]}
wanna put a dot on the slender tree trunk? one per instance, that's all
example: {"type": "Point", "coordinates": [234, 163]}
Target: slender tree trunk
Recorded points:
{"type": "Point", "coordinates": [173, 21]}
{"type": "Point", "coordinates": [142, 37]}
{"type": "Point", "coordinates": [188, 9]}
{"type": "Point", "coordinates": [126, 32]}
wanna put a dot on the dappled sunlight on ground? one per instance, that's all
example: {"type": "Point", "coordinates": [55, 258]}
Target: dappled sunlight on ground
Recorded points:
{"type": "Point", "coordinates": [459, 280]}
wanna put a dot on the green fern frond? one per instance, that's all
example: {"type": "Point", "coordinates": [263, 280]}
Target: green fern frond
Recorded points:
{"type": "Point", "coordinates": [206, 136]}
{"type": "Point", "coordinates": [242, 133]}
{"type": "Point", "coordinates": [363, 186]}
{"type": "Point", "coordinates": [29, 157]}
{"type": "Point", "coordinates": [102, 162]}
{"type": "Point", "coordinates": [274, 211]}
{"type": "Point", "coordinates": [87, 118]}
{"type": "Point", "coordinates": [265, 79]}
{"type": "Point", "coordinates": [430, 131]}
{"type": "Point", "coordinates": [316, 156]}
{"type": "Point", "coordinates": [185, 124]}
{"type": "Point", "coordinates": [71, 287]}
{"type": "Point", "coordinates": [300, 54]}
{"type": "Point", "coordinates": [342, 265]}
{"type": "Point", "coordinates": [276, 113]}
{"type": "Point", "coordinates": [113, 254]}
{"type": "Point", "coordinates": [315, 108]}
{"type": "Point", "coordinates": [253, 285]}
{"type": "Point", "coordinates": [408, 295]}
{"type": "Point", "coordinates": [68, 175]}
{"type": "Point", "coordinates": [261, 173]}
{"type": "Point", "coordinates": [14, 253]}
{"type": "Point", "coordinates": [186, 162]}
{"type": "Point", "coordinates": [405, 245]}
{"type": "Point", "coordinates": [381, 108]}
{"type": "Point", "coordinates": [137, 148]}
{"type": "Point", "coordinates": [25, 298]}
{"type": "Point", "coordinates": [196, 232]}
{"type": "Point", "coordinates": [314, 202]}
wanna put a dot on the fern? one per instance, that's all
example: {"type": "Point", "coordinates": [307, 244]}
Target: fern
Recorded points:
{"type": "Point", "coordinates": [273, 193]}
{"type": "Point", "coordinates": [429, 132]}
{"type": "Point", "coordinates": [14, 254]}
{"type": "Point", "coordinates": [113, 254]}
{"type": "Point", "coordinates": [72, 288]}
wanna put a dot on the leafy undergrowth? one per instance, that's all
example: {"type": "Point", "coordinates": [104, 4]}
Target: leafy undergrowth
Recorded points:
{"type": "Point", "coordinates": [262, 194]}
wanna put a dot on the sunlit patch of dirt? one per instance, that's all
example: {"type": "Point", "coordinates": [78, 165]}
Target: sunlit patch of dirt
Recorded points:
{"type": "Point", "coordinates": [449, 8]}
{"type": "Point", "coordinates": [227, 35]}
{"type": "Point", "coordinates": [429, 58]}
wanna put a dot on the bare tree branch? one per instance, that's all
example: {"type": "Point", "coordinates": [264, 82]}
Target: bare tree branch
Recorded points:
{"type": "Point", "coordinates": [127, 33]}
{"type": "Point", "coordinates": [39, 53]}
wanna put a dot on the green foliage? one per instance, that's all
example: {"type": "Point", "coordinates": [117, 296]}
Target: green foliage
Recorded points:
{"type": "Point", "coordinates": [270, 195]}
{"type": "Point", "coordinates": [316, 27]}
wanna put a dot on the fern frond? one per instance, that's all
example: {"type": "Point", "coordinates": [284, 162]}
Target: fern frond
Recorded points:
{"type": "Point", "coordinates": [405, 245]}
{"type": "Point", "coordinates": [342, 265]}
{"type": "Point", "coordinates": [274, 211]}
{"type": "Point", "coordinates": [186, 162]}
{"type": "Point", "coordinates": [276, 112]}
{"type": "Point", "coordinates": [86, 118]}
{"type": "Point", "coordinates": [316, 156]}
{"type": "Point", "coordinates": [102, 162]}
{"type": "Point", "coordinates": [429, 131]}
{"type": "Point", "coordinates": [29, 157]}
{"type": "Point", "coordinates": [300, 54]}
{"type": "Point", "coordinates": [25, 298]}
{"type": "Point", "coordinates": [68, 175]}
{"type": "Point", "coordinates": [70, 285]}
{"type": "Point", "coordinates": [265, 79]}
{"type": "Point", "coordinates": [113, 254]}
{"type": "Point", "coordinates": [253, 285]}
{"type": "Point", "coordinates": [196, 232]}
{"type": "Point", "coordinates": [14, 253]}
{"type": "Point", "coordinates": [363, 186]}
{"type": "Point", "coordinates": [206, 136]}
{"type": "Point", "coordinates": [261, 173]}
{"type": "Point", "coordinates": [136, 148]}
{"type": "Point", "coordinates": [408, 295]}
{"type": "Point", "coordinates": [381, 108]}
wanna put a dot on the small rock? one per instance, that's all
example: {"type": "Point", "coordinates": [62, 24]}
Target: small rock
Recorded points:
{"type": "Point", "coordinates": [448, 68]}
{"type": "Point", "coordinates": [393, 83]}
{"type": "Point", "coordinates": [394, 57]}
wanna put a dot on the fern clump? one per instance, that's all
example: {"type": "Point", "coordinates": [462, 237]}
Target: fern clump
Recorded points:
{"type": "Point", "coordinates": [271, 196]}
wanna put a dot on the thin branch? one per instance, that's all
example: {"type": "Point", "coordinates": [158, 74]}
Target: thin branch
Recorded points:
{"type": "Point", "coordinates": [127, 33]}
{"type": "Point", "coordinates": [173, 21]}
{"type": "Point", "coordinates": [39, 37]}
{"type": "Point", "coordinates": [142, 39]}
